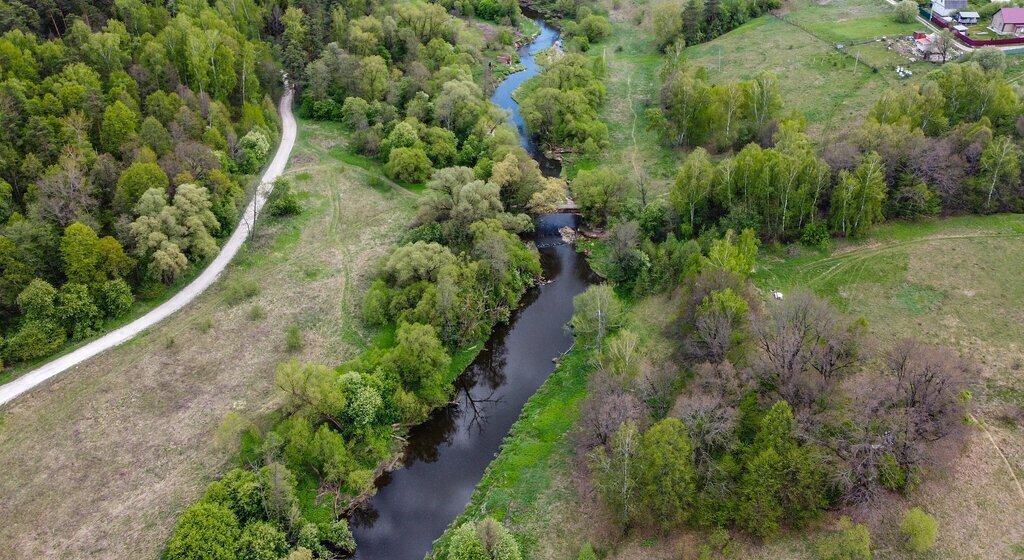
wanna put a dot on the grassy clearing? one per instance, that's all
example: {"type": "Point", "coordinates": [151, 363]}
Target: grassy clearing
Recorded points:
{"type": "Point", "coordinates": [825, 86]}
{"type": "Point", "coordinates": [631, 80]}
{"type": "Point", "coordinates": [953, 282]}
{"type": "Point", "coordinates": [113, 450]}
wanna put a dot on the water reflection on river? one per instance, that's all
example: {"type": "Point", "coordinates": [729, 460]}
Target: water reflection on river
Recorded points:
{"type": "Point", "coordinates": [447, 455]}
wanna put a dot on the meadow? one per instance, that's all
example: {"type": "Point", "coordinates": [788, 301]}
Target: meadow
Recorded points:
{"type": "Point", "coordinates": [111, 451]}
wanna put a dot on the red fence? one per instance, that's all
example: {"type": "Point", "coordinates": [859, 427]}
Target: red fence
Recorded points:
{"type": "Point", "coordinates": [973, 42]}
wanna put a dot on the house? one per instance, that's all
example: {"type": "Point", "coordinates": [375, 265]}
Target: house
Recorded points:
{"type": "Point", "coordinates": [948, 7]}
{"type": "Point", "coordinates": [968, 18]}
{"type": "Point", "coordinates": [1008, 21]}
{"type": "Point", "coordinates": [505, 59]}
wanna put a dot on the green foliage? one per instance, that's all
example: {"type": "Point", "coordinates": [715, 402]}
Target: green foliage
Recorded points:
{"type": "Point", "coordinates": [261, 541]}
{"type": "Point", "coordinates": [732, 253]}
{"type": "Point", "coordinates": [597, 313]}
{"type": "Point", "coordinates": [115, 298]}
{"type": "Point", "coordinates": [205, 531]}
{"type": "Point", "coordinates": [35, 339]}
{"type": "Point", "coordinates": [118, 126]}
{"type": "Point", "coordinates": [420, 361]}
{"type": "Point", "coordinates": [136, 180]}
{"type": "Point", "coordinates": [667, 475]}
{"type": "Point", "coordinates": [293, 338]}
{"type": "Point", "coordinates": [254, 149]}
{"type": "Point", "coordinates": [560, 105]}
{"type": "Point", "coordinates": [601, 194]}
{"type": "Point", "coordinates": [857, 198]}
{"type": "Point", "coordinates": [282, 200]}
{"type": "Point", "coordinates": [851, 541]}
{"type": "Point", "coordinates": [919, 530]}
{"type": "Point", "coordinates": [466, 545]}
{"type": "Point", "coordinates": [76, 310]}
{"type": "Point", "coordinates": [408, 164]}
{"type": "Point", "coordinates": [905, 11]}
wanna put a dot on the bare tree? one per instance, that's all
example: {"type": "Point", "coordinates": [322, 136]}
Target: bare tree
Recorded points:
{"type": "Point", "coordinates": [607, 406]}
{"type": "Point", "coordinates": [806, 349]}
{"type": "Point", "coordinates": [927, 382]}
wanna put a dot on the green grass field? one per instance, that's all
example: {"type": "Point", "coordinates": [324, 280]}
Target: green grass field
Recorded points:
{"type": "Point", "coordinates": [829, 88]}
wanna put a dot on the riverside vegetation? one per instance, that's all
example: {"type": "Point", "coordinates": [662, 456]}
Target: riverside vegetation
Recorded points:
{"type": "Point", "coordinates": [728, 416]}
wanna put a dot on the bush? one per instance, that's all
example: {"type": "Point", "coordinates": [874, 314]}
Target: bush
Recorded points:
{"type": "Point", "coordinates": [851, 542]}
{"type": "Point", "coordinates": [240, 290]}
{"type": "Point", "coordinates": [408, 164]}
{"type": "Point", "coordinates": [905, 11]}
{"type": "Point", "coordinates": [115, 298]}
{"type": "Point", "coordinates": [293, 339]}
{"type": "Point", "coordinates": [261, 541]}
{"type": "Point", "coordinates": [338, 535]}
{"type": "Point", "coordinates": [254, 149]}
{"type": "Point", "coordinates": [35, 339]}
{"type": "Point", "coordinates": [205, 531]}
{"type": "Point", "coordinates": [282, 201]}
{"type": "Point", "coordinates": [919, 529]}
{"type": "Point", "coordinates": [587, 553]}
{"type": "Point", "coordinates": [815, 235]}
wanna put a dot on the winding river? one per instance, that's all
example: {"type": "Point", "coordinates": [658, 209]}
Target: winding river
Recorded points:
{"type": "Point", "coordinates": [446, 455]}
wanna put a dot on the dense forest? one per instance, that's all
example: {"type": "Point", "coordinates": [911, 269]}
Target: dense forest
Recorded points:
{"type": "Point", "coordinates": [128, 133]}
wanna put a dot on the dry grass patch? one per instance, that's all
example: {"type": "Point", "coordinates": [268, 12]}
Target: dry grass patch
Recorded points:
{"type": "Point", "coordinates": [99, 463]}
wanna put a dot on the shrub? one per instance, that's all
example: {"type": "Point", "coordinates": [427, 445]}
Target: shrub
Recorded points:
{"type": "Point", "coordinates": [261, 541]}
{"type": "Point", "coordinates": [919, 529]}
{"type": "Point", "coordinates": [240, 290]}
{"type": "Point", "coordinates": [905, 11]}
{"type": "Point", "coordinates": [587, 553]}
{"type": "Point", "coordinates": [205, 531]}
{"type": "Point", "coordinates": [851, 542]}
{"type": "Point", "coordinates": [254, 149]}
{"type": "Point", "coordinates": [256, 312]}
{"type": "Point", "coordinates": [115, 298]}
{"type": "Point", "coordinates": [282, 201]}
{"type": "Point", "coordinates": [33, 340]}
{"type": "Point", "coordinates": [338, 535]}
{"type": "Point", "coordinates": [408, 164]}
{"type": "Point", "coordinates": [293, 339]}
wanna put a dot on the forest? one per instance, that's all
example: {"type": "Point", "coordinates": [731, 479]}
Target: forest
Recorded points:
{"type": "Point", "coordinates": [128, 137]}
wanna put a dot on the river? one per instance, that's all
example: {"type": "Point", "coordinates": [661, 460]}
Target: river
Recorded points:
{"type": "Point", "coordinates": [446, 455]}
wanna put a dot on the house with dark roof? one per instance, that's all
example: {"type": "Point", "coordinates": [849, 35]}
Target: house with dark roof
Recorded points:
{"type": "Point", "coordinates": [1008, 21]}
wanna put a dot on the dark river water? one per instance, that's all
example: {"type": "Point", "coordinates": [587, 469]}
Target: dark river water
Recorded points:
{"type": "Point", "coordinates": [446, 455]}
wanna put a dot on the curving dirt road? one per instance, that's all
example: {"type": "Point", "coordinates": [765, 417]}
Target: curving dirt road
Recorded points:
{"type": "Point", "coordinates": [27, 382]}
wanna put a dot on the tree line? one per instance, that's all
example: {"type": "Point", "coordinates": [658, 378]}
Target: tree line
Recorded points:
{"type": "Point", "coordinates": [125, 130]}
{"type": "Point", "coordinates": [950, 144]}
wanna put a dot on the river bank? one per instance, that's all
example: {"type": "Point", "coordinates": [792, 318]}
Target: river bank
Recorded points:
{"type": "Point", "coordinates": [446, 456]}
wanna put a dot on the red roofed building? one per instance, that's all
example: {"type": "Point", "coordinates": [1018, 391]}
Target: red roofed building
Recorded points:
{"type": "Point", "coordinates": [1008, 21]}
